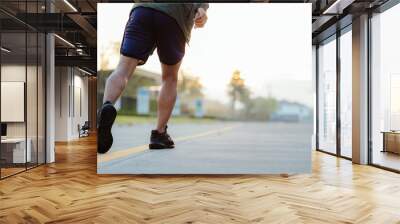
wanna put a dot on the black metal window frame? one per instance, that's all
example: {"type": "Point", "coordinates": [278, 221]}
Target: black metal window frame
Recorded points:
{"type": "Point", "coordinates": [334, 37]}
{"type": "Point", "coordinates": [389, 4]}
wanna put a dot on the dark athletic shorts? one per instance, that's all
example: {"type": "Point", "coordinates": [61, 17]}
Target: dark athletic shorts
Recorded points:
{"type": "Point", "coordinates": [148, 29]}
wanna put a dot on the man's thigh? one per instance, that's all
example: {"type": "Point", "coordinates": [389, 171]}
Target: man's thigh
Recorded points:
{"type": "Point", "coordinates": [170, 39]}
{"type": "Point", "coordinates": [139, 39]}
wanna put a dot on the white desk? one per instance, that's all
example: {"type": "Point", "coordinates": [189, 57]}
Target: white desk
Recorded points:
{"type": "Point", "coordinates": [18, 151]}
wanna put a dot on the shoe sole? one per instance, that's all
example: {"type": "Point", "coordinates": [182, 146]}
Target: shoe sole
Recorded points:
{"type": "Point", "coordinates": [160, 146]}
{"type": "Point", "coordinates": [106, 120]}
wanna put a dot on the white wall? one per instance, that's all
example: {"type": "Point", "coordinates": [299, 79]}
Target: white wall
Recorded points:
{"type": "Point", "coordinates": [70, 82]}
{"type": "Point", "coordinates": [61, 103]}
{"type": "Point", "coordinates": [80, 84]}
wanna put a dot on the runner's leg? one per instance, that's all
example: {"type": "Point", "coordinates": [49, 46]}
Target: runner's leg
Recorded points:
{"type": "Point", "coordinates": [118, 79]}
{"type": "Point", "coordinates": [167, 96]}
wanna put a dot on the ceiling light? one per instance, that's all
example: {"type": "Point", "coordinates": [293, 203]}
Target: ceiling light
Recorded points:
{"type": "Point", "coordinates": [64, 40]}
{"type": "Point", "coordinates": [84, 71]}
{"type": "Point", "coordinates": [70, 5]}
{"type": "Point", "coordinates": [338, 6]}
{"type": "Point", "coordinates": [5, 50]}
{"type": "Point", "coordinates": [79, 51]}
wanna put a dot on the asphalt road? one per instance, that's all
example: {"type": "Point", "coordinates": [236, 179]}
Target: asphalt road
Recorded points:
{"type": "Point", "coordinates": [212, 148]}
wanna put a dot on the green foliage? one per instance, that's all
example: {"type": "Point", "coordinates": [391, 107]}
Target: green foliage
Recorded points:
{"type": "Point", "coordinates": [258, 108]}
{"type": "Point", "coordinates": [189, 85]}
{"type": "Point", "coordinates": [128, 106]}
{"type": "Point", "coordinates": [261, 108]}
{"type": "Point", "coordinates": [153, 106]}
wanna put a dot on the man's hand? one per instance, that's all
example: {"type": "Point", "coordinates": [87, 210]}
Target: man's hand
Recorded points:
{"type": "Point", "coordinates": [200, 18]}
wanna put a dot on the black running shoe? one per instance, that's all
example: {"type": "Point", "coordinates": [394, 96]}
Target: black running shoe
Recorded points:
{"type": "Point", "coordinates": [161, 140]}
{"type": "Point", "coordinates": [106, 117]}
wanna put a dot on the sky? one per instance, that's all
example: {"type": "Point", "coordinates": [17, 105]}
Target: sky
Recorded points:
{"type": "Point", "coordinates": [269, 43]}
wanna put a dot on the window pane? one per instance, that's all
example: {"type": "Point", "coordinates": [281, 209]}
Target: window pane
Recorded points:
{"type": "Point", "coordinates": [31, 97]}
{"type": "Point", "coordinates": [327, 96]}
{"type": "Point", "coordinates": [386, 89]}
{"type": "Point", "coordinates": [41, 98]}
{"type": "Point", "coordinates": [14, 153]}
{"type": "Point", "coordinates": [346, 93]}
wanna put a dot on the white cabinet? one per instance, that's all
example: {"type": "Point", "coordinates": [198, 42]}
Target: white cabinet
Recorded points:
{"type": "Point", "coordinates": [19, 155]}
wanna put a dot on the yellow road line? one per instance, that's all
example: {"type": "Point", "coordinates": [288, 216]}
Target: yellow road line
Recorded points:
{"type": "Point", "coordinates": [126, 152]}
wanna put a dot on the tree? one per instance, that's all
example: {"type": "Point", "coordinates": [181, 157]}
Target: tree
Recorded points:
{"type": "Point", "coordinates": [111, 50]}
{"type": "Point", "coordinates": [189, 85]}
{"type": "Point", "coordinates": [189, 89]}
{"type": "Point", "coordinates": [237, 91]}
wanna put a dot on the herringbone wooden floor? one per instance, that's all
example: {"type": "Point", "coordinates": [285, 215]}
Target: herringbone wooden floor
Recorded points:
{"type": "Point", "coordinates": [70, 191]}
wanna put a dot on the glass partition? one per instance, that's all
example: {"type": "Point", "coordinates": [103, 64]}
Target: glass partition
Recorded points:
{"type": "Point", "coordinates": [41, 96]}
{"type": "Point", "coordinates": [31, 97]}
{"type": "Point", "coordinates": [14, 153]}
{"type": "Point", "coordinates": [22, 90]}
{"type": "Point", "coordinates": [385, 89]}
{"type": "Point", "coordinates": [327, 95]}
